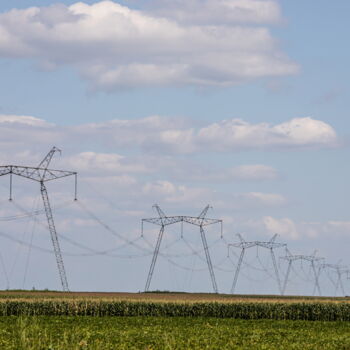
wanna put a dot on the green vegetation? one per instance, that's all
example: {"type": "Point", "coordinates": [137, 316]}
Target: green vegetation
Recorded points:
{"type": "Point", "coordinates": [238, 310]}
{"type": "Point", "coordinates": [102, 333]}
{"type": "Point", "coordinates": [149, 321]}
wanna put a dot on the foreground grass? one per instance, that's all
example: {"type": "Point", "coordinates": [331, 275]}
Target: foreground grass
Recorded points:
{"type": "Point", "coordinates": [102, 333]}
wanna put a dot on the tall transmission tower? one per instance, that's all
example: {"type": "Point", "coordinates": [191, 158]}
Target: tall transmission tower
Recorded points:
{"type": "Point", "coordinates": [243, 245]}
{"type": "Point", "coordinates": [339, 270]}
{"type": "Point", "coordinates": [311, 258]}
{"type": "Point", "coordinates": [43, 174]}
{"type": "Point", "coordinates": [201, 220]}
{"type": "Point", "coordinates": [162, 221]}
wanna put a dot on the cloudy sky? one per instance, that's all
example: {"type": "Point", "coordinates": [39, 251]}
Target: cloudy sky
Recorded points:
{"type": "Point", "coordinates": [240, 104]}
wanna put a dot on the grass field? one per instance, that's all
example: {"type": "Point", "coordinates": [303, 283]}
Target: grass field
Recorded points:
{"type": "Point", "coordinates": [229, 330]}
{"type": "Point", "coordinates": [65, 333]}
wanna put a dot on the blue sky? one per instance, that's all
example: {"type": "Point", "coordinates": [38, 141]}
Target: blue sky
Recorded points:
{"type": "Point", "coordinates": [241, 104]}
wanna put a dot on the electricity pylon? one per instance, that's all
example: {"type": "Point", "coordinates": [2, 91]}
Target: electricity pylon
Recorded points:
{"type": "Point", "coordinates": [311, 258]}
{"type": "Point", "coordinates": [42, 174]}
{"type": "Point", "coordinates": [162, 220]}
{"type": "Point", "coordinates": [340, 270]}
{"type": "Point", "coordinates": [271, 245]}
{"type": "Point", "coordinates": [202, 221]}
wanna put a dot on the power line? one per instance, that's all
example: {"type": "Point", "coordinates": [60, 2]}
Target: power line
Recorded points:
{"type": "Point", "coordinates": [163, 220]}
{"type": "Point", "coordinates": [92, 251]}
{"type": "Point", "coordinates": [243, 245]}
{"type": "Point", "coordinates": [292, 258]}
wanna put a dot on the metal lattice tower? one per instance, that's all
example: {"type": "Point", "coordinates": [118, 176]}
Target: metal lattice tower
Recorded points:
{"type": "Point", "coordinates": [243, 245]}
{"type": "Point", "coordinates": [42, 174]}
{"type": "Point", "coordinates": [311, 258]}
{"type": "Point", "coordinates": [339, 270]}
{"type": "Point", "coordinates": [162, 220]}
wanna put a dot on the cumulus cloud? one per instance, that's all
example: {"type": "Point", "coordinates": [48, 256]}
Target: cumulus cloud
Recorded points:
{"type": "Point", "coordinates": [340, 226]}
{"type": "Point", "coordinates": [219, 12]}
{"type": "Point", "coordinates": [159, 135]}
{"type": "Point", "coordinates": [17, 132]}
{"type": "Point", "coordinates": [156, 133]}
{"type": "Point", "coordinates": [123, 181]}
{"type": "Point", "coordinates": [172, 193]}
{"type": "Point", "coordinates": [143, 151]}
{"type": "Point", "coordinates": [284, 227]}
{"type": "Point", "coordinates": [254, 172]}
{"type": "Point", "coordinates": [114, 46]}
{"type": "Point", "coordinates": [250, 172]}
{"type": "Point", "coordinates": [297, 230]}
{"type": "Point", "coordinates": [23, 120]}
{"type": "Point", "coordinates": [259, 198]}
{"type": "Point", "coordinates": [158, 167]}
{"type": "Point", "coordinates": [238, 134]}
{"type": "Point", "coordinates": [148, 133]}
{"type": "Point", "coordinates": [92, 162]}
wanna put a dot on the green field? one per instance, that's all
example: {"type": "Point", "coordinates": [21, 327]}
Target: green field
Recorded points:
{"type": "Point", "coordinates": [65, 321]}
{"type": "Point", "coordinates": [100, 333]}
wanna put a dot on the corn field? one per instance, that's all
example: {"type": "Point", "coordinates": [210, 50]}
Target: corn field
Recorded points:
{"type": "Point", "coordinates": [242, 310]}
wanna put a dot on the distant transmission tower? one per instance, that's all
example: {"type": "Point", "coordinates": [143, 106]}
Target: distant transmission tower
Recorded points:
{"type": "Point", "coordinates": [42, 174]}
{"type": "Point", "coordinates": [162, 220]}
{"type": "Point", "coordinates": [243, 245]}
{"type": "Point", "coordinates": [340, 270]}
{"type": "Point", "coordinates": [311, 258]}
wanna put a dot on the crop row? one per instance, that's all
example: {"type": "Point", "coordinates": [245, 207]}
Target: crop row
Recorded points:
{"type": "Point", "coordinates": [277, 311]}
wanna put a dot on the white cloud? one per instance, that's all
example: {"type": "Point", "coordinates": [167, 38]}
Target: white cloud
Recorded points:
{"type": "Point", "coordinates": [157, 134]}
{"type": "Point", "coordinates": [329, 229]}
{"type": "Point", "coordinates": [166, 191]}
{"type": "Point", "coordinates": [219, 12]}
{"type": "Point", "coordinates": [171, 193]}
{"type": "Point", "coordinates": [92, 162]}
{"type": "Point", "coordinates": [160, 187]}
{"type": "Point", "coordinates": [284, 227]}
{"type": "Point", "coordinates": [297, 230]}
{"type": "Point", "coordinates": [23, 120]}
{"type": "Point", "coordinates": [18, 132]}
{"type": "Point", "coordinates": [147, 133]}
{"type": "Point", "coordinates": [261, 199]}
{"type": "Point", "coordinates": [204, 173]}
{"type": "Point", "coordinates": [113, 46]}
{"type": "Point", "coordinates": [339, 227]}
{"type": "Point", "coordinates": [253, 172]}
{"type": "Point", "coordinates": [121, 181]}
{"type": "Point", "coordinates": [237, 134]}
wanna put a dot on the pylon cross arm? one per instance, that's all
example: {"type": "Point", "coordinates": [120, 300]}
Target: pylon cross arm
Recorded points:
{"type": "Point", "coordinates": [200, 222]}
{"type": "Point", "coordinates": [270, 245]}
{"type": "Point", "coordinates": [243, 245]}
{"type": "Point", "coordinates": [36, 174]}
{"type": "Point", "coordinates": [332, 266]}
{"type": "Point", "coordinates": [56, 174]}
{"type": "Point", "coordinates": [311, 258]}
{"type": "Point", "coordinates": [292, 258]}
{"type": "Point", "coordinates": [4, 170]}
{"type": "Point", "coordinates": [164, 221]}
